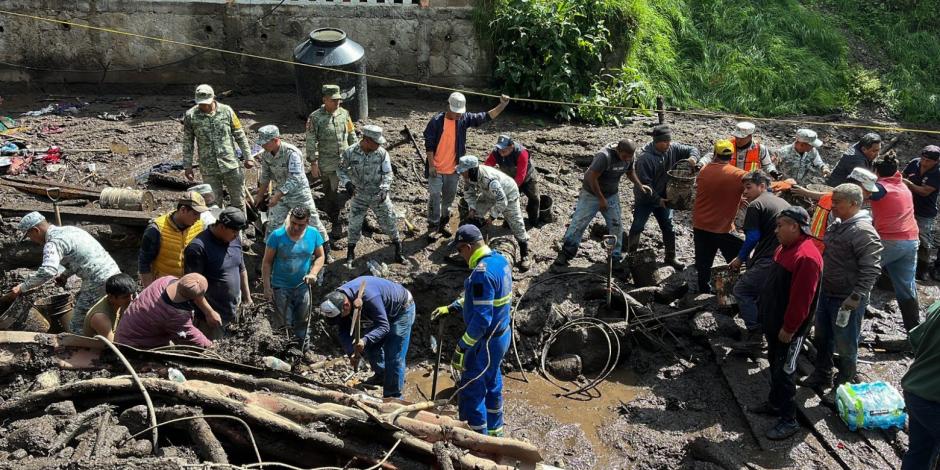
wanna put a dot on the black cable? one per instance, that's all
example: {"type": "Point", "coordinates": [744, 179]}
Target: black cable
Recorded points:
{"type": "Point", "coordinates": [254, 23]}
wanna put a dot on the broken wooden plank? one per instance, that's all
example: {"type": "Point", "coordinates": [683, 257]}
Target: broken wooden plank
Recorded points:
{"type": "Point", "coordinates": [39, 187]}
{"type": "Point", "coordinates": [92, 215]}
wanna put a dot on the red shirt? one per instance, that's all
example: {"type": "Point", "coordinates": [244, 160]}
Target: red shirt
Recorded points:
{"type": "Point", "coordinates": [804, 263]}
{"type": "Point", "coordinates": [893, 213]}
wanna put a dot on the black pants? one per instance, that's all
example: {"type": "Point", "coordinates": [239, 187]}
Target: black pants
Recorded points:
{"type": "Point", "coordinates": [707, 245]}
{"type": "Point", "coordinates": [782, 385]}
{"type": "Point", "coordinates": [531, 190]}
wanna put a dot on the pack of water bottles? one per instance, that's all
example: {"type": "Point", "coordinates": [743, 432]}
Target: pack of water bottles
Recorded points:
{"type": "Point", "coordinates": [873, 405]}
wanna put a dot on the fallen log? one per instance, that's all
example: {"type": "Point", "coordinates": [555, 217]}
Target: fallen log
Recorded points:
{"type": "Point", "coordinates": [208, 447]}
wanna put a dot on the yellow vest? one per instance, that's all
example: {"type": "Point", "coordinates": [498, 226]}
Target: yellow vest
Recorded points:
{"type": "Point", "coordinates": [169, 261]}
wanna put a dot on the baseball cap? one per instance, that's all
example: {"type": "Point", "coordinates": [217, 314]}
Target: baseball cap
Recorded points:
{"type": "Point", "coordinates": [865, 178]}
{"type": "Point", "coordinates": [798, 215]}
{"type": "Point", "coordinates": [333, 305]}
{"type": "Point", "coordinates": [267, 134]}
{"type": "Point", "coordinates": [743, 129]}
{"type": "Point", "coordinates": [467, 233]}
{"type": "Point", "coordinates": [204, 94]}
{"type": "Point", "coordinates": [233, 218]}
{"type": "Point", "coordinates": [374, 132]}
{"type": "Point", "coordinates": [191, 286]}
{"type": "Point", "coordinates": [661, 133]}
{"type": "Point", "coordinates": [467, 162]}
{"type": "Point", "coordinates": [332, 92]}
{"type": "Point", "coordinates": [503, 141]}
{"type": "Point", "coordinates": [724, 148]}
{"type": "Point", "coordinates": [931, 152]}
{"type": "Point", "coordinates": [29, 221]}
{"type": "Point", "coordinates": [808, 136]}
{"type": "Point", "coordinates": [194, 200]}
{"type": "Point", "coordinates": [457, 102]}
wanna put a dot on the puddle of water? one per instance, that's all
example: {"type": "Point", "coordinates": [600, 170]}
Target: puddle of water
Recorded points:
{"type": "Point", "coordinates": [588, 413]}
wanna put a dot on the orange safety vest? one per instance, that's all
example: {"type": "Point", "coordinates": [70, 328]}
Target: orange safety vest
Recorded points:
{"type": "Point", "coordinates": [169, 261]}
{"type": "Point", "coordinates": [817, 226]}
{"type": "Point", "coordinates": [751, 158]}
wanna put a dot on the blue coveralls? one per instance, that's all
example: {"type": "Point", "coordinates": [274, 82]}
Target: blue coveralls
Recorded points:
{"type": "Point", "coordinates": [488, 301]}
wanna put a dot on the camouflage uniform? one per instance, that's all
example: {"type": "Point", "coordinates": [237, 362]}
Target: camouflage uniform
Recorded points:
{"type": "Point", "coordinates": [68, 251]}
{"type": "Point", "coordinates": [328, 135]}
{"type": "Point", "coordinates": [286, 170]}
{"type": "Point", "coordinates": [370, 174]}
{"type": "Point", "coordinates": [497, 192]}
{"type": "Point", "coordinates": [807, 168]}
{"type": "Point", "coordinates": [217, 134]}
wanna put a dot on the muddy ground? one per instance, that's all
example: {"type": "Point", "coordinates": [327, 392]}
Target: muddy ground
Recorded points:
{"type": "Point", "coordinates": [667, 405]}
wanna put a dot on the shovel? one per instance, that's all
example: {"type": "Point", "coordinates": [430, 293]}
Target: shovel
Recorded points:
{"type": "Point", "coordinates": [437, 344]}
{"type": "Point", "coordinates": [54, 194]}
{"type": "Point", "coordinates": [355, 329]}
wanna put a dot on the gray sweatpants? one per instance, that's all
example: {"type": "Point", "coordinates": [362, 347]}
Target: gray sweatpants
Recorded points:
{"type": "Point", "coordinates": [442, 189]}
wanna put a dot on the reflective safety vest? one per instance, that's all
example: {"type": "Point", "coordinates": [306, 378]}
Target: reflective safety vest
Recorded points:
{"type": "Point", "coordinates": [169, 261]}
{"type": "Point", "coordinates": [820, 220]}
{"type": "Point", "coordinates": [751, 158]}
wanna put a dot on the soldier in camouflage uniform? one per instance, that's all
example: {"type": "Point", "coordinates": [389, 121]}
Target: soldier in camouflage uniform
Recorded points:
{"type": "Point", "coordinates": [67, 251]}
{"type": "Point", "coordinates": [365, 173]}
{"type": "Point", "coordinates": [487, 189]}
{"type": "Point", "coordinates": [282, 164]}
{"type": "Point", "coordinates": [216, 130]}
{"type": "Point", "coordinates": [330, 131]}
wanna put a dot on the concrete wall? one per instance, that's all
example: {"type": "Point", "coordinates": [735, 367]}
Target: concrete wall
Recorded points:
{"type": "Point", "coordinates": [435, 43]}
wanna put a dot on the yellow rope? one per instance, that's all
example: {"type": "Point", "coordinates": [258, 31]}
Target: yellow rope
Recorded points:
{"type": "Point", "coordinates": [469, 92]}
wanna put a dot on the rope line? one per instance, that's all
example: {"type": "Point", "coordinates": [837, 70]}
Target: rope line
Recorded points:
{"type": "Point", "coordinates": [468, 92]}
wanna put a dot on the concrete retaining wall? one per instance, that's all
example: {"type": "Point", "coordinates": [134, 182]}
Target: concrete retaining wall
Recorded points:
{"type": "Point", "coordinates": [433, 44]}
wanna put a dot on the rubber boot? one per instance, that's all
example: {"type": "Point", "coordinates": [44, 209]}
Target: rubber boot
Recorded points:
{"type": "Point", "coordinates": [846, 372]}
{"type": "Point", "coordinates": [442, 227]}
{"type": "Point", "coordinates": [910, 313]}
{"type": "Point", "coordinates": [923, 264]}
{"type": "Point", "coordinates": [633, 242]}
{"type": "Point", "coordinates": [670, 259]}
{"type": "Point", "coordinates": [525, 263]}
{"type": "Point", "coordinates": [398, 256]}
{"type": "Point", "coordinates": [350, 254]}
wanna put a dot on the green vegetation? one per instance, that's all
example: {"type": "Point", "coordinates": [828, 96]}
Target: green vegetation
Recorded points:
{"type": "Point", "coordinates": [761, 57]}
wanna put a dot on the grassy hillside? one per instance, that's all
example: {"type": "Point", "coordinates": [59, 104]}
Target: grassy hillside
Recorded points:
{"type": "Point", "coordinates": [761, 57]}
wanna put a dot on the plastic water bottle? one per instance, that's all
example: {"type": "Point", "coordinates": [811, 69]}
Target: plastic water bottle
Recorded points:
{"type": "Point", "coordinates": [175, 375]}
{"type": "Point", "coordinates": [843, 318]}
{"type": "Point", "coordinates": [272, 362]}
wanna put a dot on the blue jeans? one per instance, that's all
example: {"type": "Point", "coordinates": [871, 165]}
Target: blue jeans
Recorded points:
{"type": "Point", "coordinates": [387, 357]}
{"type": "Point", "coordinates": [641, 214]}
{"type": "Point", "coordinates": [291, 307]}
{"type": "Point", "coordinates": [830, 339]}
{"type": "Point", "coordinates": [923, 425]}
{"type": "Point", "coordinates": [899, 260]}
{"type": "Point", "coordinates": [748, 289]}
{"type": "Point", "coordinates": [587, 207]}
{"type": "Point", "coordinates": [441, 192]}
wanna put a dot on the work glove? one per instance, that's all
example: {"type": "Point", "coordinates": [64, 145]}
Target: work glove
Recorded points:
{"type": "Point", "coordinates": [456, 362]}
{"type": "Point", "coordinates": [776, 174]}
{"type": "Point", "coordinates": [383, 193]}
{"type": "Point", "coordinates": [851, 302]}
{"type": "Point", "coordinates": [440, 312]}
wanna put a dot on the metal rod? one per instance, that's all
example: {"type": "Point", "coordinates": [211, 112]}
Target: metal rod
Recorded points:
{"type": "Point", "coordinates": [437, 363]}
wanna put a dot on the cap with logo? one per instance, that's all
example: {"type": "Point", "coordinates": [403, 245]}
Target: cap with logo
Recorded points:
{"type": "Point", "coordinates": [743, 129]}
{"type": "Point", "coordinates": [333, 305]}
{"type": "Point", "coordinates": [204, 94]}
{"type": "Point", "coordinates": [808, 136]}
{"type": "Point", "coordinates": [373, 132]}
{"type": "Point", "coordinates": [233, 218]}
{"type": "Point", "coordinates": [467, 162]}
{"type": "Point", "coordinates": [865, 178]}
{"type": "Point", "coordinates": [724, 148]}
{"type": "Point", "coordinates": [193, 200]}
{"type": "Point", "coordinates": [457, 102]}
{"type": "Point", "coordinates": [267, 134]}
{"type": "Point", "coordinates": [503, 141]}
{"type": "Point", "coordinates": [798, 215]}
{"type": "Point", "coordinates": [332, 92]}
{"type": "Point", "coordinates": [467, 233]}
{"type": "Point", "coordinates": [931, 152]}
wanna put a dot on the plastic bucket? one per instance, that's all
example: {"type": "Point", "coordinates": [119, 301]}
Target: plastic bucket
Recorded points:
{"type": "Point", "coordinates": [680, 190]}
{"type": "Point", "coordinates": [723, 279]}
{"type": "Point", "coordinates": [18, 315]}
{"type": "Point", "coordinates": [546, 214]}
{"type": "Point", "coordinates": [57, 309]}
{"type": "Point", "coordinates": [126, 199]}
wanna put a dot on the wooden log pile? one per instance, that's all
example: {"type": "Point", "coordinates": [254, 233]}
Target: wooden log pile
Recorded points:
{"type": "Point", "coordinates": [233, 418]}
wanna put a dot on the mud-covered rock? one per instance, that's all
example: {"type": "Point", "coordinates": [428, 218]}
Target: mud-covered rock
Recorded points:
{"type": "Point", "coordinates": [565, 367]}
{"type": "Point", "coordinates": [35, 435]}
{"type": "Point", "coordinates": [62, 408]}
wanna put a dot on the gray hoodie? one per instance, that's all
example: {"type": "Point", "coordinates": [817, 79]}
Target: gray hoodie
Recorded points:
{"type": "Point", "coordinates": [852, 261]}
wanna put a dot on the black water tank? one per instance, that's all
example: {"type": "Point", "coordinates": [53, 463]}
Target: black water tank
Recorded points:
{"type": "Point", "coordinates": [329, 47]}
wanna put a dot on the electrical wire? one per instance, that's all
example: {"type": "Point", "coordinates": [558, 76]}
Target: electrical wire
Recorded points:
{"type": "Point", "coordinates": [251, 436]}
{"type": "Point", "coordinates": [143, 390]}
{"type": "Point", "coordinates": [469, 92]}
